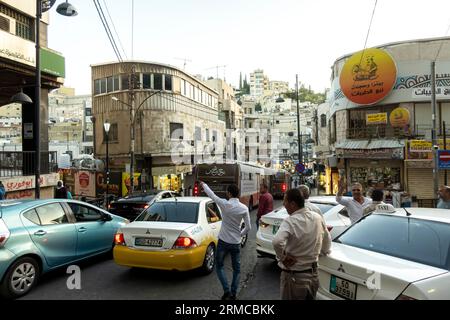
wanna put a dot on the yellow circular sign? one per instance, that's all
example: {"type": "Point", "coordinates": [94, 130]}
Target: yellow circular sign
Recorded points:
{"type": "Point", "coordinates": [368, 76]}
{"type": "Point", "coordinates": [399, 117]}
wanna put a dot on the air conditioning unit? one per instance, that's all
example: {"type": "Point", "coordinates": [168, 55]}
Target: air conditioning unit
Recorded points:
{"type": "Point", "coordinates": [7, 24]}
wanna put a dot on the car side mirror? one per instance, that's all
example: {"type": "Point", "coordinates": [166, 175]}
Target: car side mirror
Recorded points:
{"type": "Point", "coordinates": [106, 217]}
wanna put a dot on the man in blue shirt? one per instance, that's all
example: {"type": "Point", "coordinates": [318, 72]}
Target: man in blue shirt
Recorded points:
{"type": "Point", "coordinates": [2, 191]}
{"type": "Point", "coordinates": [444, 195]}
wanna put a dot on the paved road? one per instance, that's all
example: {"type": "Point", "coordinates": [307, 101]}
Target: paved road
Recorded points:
{"type": "Point", "coordinates": [102, 279]}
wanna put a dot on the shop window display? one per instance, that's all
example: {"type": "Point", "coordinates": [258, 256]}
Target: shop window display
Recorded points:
{"type": "Point", "coordinates": [379, 178]}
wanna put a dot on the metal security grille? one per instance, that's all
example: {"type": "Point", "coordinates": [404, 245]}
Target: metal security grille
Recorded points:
{"type": "Point", "coordinates": [24, 24]}
{"type": "Point", "coordinates": [4, 24]}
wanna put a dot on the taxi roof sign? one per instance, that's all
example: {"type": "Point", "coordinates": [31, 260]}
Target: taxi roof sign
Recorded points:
{"type": "Point", "coordinates": [385, 208]}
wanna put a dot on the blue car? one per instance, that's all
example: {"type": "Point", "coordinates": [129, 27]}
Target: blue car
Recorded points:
{"type": "Point", "coordinates": [37, 236]}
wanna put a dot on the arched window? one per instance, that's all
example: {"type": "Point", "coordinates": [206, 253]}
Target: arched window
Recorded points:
{"type": "Point", "coordinates": [323, 120]}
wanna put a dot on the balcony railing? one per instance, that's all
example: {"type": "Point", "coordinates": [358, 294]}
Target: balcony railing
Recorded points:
{"type": "Point", "coordinates": [22, 163]}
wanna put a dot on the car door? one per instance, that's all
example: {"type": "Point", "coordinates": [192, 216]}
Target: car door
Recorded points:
{"type": "Point", "coordinates": [94, 234]}
{"type": "Point", "coordinates": [52, 233]}
{"type": "Point", "coordinates": [214, 218]}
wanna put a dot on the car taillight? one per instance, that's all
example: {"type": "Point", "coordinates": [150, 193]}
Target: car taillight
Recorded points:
{"type": "Point", "coordinates": [405, 297]}
{"type": "Point", "coordinates": [196, 191]}
{"type": "Point", "coordinates": [184, 243]}
{"type": "Point", "coordinates": [4, 233]}
{"type": "Point", "coordinates": [329, 228]}
{"type": "Point", "coordinates": [284, 187]}
{"type": "Point", "coordinates": [119, 239]}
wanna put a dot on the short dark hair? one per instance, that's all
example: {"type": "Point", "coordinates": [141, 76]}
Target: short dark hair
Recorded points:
{"type": "Point", "coordinates": [377, 195]}
{"type": "Point", "coordinates": [233, 190]}
{"type": "Point", "coordinates": [294, 195]}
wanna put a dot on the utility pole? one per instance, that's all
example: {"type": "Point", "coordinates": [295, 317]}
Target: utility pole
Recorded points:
{"type": "Point", "coordinates": [131, 83]}
{"type": "Point", "coordinates": [433, 131]}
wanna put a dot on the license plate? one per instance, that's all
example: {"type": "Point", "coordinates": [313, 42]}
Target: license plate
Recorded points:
{"type": "Point", "coordinates": [275, 229]}
{"type": "Point", "coordinates": [343, 288]}
{"type": "Point", "coordinates": [148, 242]}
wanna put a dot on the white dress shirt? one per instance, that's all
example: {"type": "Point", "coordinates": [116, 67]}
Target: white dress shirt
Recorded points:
{"type": "Point", "coordinates": [312, 207]}
{"type": "Point", "coordinates": [354, 208]}
{"type": "Point", "coordinates": [302, 235]}
{"type": "Point", "coordinates": [233, 211]}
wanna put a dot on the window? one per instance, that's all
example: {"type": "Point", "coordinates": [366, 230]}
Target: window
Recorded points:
{"type": "Point", "coordinates": [198, 134]}
{"type": "Point", "coordinates": [116, 83]}
{"type": "Point", "coordinates": [51, 214]}
{"type": "Point", "coordinates": [167, 82]}
{"type": "Point", "coordinates": [96, 88]}
{"type": "Point", "coordinates": [183, 87]}
{"type": "Point", "coordinates": [207, 135]}
{"type": "Point", "coordinates": [214, 136]}
{"type": "Point", "coordinates": [178, 211]}
{"type": "Point", "coordinates": [113, 133]}
{"type": "Point", "coordinates": [109, 84]}
{"type": "Point", "coordinates": [146, 81]}
{"type": "Point", "coordinates": [88, 112]}
{"type": "Point", "coordinates": [103, 85]}
{"type": "Point", "coordinates": [32, 216]}
{"type": "Point", "coordinates": [124, 81]}
{"type": "Point", "coordinates": [84, 213]}
{"type": "Point", "coordinates": [212, 213]}
{"type": "Point", "coordinates": [176, 130]}
{"type": "Point", "coordinates": [323, 120]}
{"type": "Point", "coordinates": [157, 81]}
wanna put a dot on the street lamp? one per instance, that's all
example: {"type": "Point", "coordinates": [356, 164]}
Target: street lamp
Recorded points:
{"type": "Point", "coordinates": [67, 10]}
{"type": "Point", "coordinates": [133, 121]}
{"type": "Point", "coordinates": [107, 126]}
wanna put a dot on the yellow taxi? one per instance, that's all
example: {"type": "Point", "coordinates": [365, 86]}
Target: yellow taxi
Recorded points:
{"type": "Point", "coordinates": [172, 234]}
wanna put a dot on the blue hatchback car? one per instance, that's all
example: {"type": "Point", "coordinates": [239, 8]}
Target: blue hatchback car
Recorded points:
{"type": "Point", "coordinates": [40, 235]}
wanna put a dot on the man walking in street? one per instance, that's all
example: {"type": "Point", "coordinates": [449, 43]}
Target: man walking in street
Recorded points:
{"type": "Point", "coordinates": [233, 211]}
{"type": "Point", "coordinates": [356, 205]}
{"type": "Point", "coordinates": [444, 197]}
{"type": "Point", "coordinates": [299, 241]}
{"type": "Point", "coordinates": [265, 203]}
{"type": "Point", "coordinates": [61, 191]}
{"type": "Point", "coordinates": [2, 191]}
{"type": "Point", "coordinates": [304, 190]}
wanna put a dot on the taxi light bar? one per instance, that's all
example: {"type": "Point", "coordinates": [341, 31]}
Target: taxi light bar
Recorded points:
{"type": "Point", "coordinates": [119, 239]}
{"type": "Point", "coordinates": [184, 243]}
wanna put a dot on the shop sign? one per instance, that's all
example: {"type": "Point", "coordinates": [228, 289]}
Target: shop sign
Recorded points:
{"type": "Point", "coordinates": [384, 153]}
{"type": "Point", "coordinates": [368, 76]}
{"type": "Point", "coordinates": [420, 146]}
{"type": "Point", "coordinates": [115, 183]}
{"type": "Point", "coordinates": [24, 183]}
{"type": "Point", "coordinates": [399, 117]}
{"type": "Point", "coordinates": [421, 149]}
{"type": "Point", "coordinates": [376, 118]}
{"type": "Point", "coordinates": [441, 92]}
{"type": "Point", "coordinates": [85, 183]}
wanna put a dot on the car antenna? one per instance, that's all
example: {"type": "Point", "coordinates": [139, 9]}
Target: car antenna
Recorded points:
{"type": "Point", "coordinates": [408, 214]}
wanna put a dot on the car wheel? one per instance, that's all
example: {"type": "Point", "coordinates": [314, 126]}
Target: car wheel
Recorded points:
{"type": "Point", "coordinates": [244, 237]}
{"type": "Point", "coordinates": [21, 277]}
{"type": "Point", "coordinates": [209, 261]}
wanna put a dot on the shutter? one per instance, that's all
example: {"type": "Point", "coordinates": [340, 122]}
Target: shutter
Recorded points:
{"type": "Point", "coordinates": [4, 24]}
{"type": "Point", "coordinates": [420, 182]}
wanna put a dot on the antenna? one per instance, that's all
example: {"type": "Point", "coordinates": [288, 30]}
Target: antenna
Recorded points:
{"type": "Point", "coordinates": [185, 60]}
{"type": "Point", "coordinates": [217, 70]}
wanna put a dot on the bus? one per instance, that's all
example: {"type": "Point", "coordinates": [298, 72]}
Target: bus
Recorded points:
{"type": "Point", "coordinates": [246, 176]}
{"type": "Point", "coordinates": [280, 183]}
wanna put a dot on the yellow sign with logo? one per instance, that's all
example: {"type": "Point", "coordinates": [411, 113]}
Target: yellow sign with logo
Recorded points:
{"type": "Point", "coordinates": [420, 146]}
{"type": "Point", "coordinates": [368, 76]}
{"type": "Point", "coordinates": [399, 117]}
{"type": "Point", "coordinates": [376, 118]}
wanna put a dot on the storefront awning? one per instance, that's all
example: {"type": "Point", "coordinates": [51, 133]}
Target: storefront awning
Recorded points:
{"type": "Point", "coordinates": [162, 171]}
{"type": "Point", "coordinates": [374, 144]}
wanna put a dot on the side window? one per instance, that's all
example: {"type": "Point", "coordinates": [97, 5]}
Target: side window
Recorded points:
{"type": "Point", "coordinates": [51, 214]}
{"type": "Point", "coordinates": [212, 213]}
{"type": "Point", "coordinates": [344, 212]}
{"type": "Point", "coordinates": [166, 195]}
{"type": "Point", "coordinates": [85, 214]}
{"type": "Point", "coordinates": [32, 216]}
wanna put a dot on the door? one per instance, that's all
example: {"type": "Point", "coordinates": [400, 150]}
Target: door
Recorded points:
{"type": "Point", "coordinates": [94, 234]}
{"type": "Point", "coordinates": [52, 233]}
{"type": "Point", "coordinates": [214, 218]}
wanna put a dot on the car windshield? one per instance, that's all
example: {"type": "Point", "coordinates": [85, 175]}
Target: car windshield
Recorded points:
{"type": "Point", "coordinates": [177, 211]}
{"type": "Point", "coordinates": [417, 240]}
{"type": "Point", "coordinates": [323, 206]}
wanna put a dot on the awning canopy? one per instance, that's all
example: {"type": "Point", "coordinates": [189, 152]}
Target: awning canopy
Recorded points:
{"type": "Point", "coordinates": [373, 144]}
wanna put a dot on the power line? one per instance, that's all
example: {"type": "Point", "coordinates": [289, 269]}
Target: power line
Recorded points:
{"type": "Point", "coordinates": [115, 31]}
{"type": "Point", "coordinates": [107, 29]}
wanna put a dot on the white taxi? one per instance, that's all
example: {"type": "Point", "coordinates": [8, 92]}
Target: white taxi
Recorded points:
{"type": "Point", "coordinates": [172, 234]}
{"type": "Point", "coordinates": [401, 254]}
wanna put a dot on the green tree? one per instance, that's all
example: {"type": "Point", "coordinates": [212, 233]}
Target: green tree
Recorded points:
{"type": "Point", "coordinates": [306, 95]}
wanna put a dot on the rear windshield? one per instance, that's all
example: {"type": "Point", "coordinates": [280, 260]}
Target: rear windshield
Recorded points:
{"type": "Point", "coordinates": [171, 212]}
{"type": "Point", "coordinates": [417, 240]}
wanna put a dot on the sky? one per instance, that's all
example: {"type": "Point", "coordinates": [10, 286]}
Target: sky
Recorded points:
{"type": "Point", "coordinates": [282, 37]}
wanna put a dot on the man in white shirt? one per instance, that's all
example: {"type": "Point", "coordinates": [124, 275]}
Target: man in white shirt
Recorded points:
{"type": "Point", "coordinates": [233, 211]}
{"type": "Point", "coordinates": [304, 190]}
{"type": "Point", "coordinates": [299, 241]}
{"type": "Point", "coordinates": [356, 205]}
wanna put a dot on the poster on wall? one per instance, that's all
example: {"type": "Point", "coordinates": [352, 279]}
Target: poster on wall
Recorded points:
{"type": "Point", "coordinates": [368, 76]}
{"type": "Point", "coordinates": [126, 183]}
{"type": "Point", "coordinates": [85, 183]}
